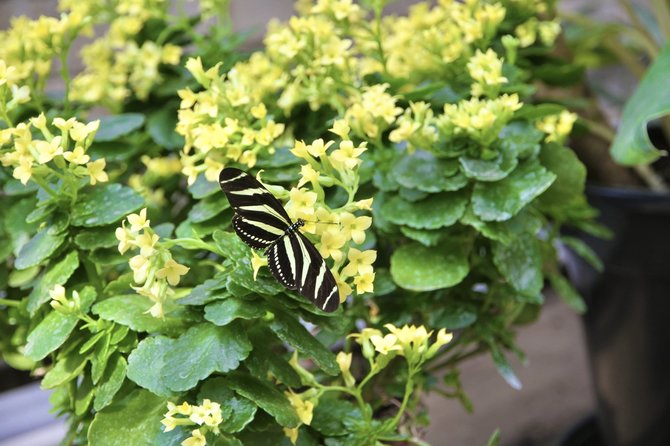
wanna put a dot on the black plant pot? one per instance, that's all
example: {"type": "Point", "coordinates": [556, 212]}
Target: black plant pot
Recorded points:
{"type": "Point", "coordinates": [627, 325]}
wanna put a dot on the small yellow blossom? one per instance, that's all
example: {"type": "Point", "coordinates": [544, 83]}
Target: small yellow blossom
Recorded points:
{"type": "Point", "coordinates": [146, 243]}
{"type": "Point", "coordinates": [257, 262]}
{"type": "Point", "coordinates": [304, 408]}
{"type": "Point", "coordinates": [24, 170]}
{"type": "Point", "coordinates": [172, 271]}
{"type": "Point", "coordinates": [169, 422]}
{"type": "Point", "coordinates": [347, 155]}
{"type": "Point", "coordinates": [307, 175]}
{"type": "Point", "coordinates": [125, 242]}
{"type": "Point", "coordinates": [318, 147]}
{"type": "Point", "coordinates": [557, 127]}
{"type": "Point", "coordinates": [138, 221]}
{"type": "Point", "coordinates": [300, 149]}
{"type": "Point", "coordinates": [291, 433]}
{"type": "Point", "coordinates": [140, 266]}
{"type": "Point", "coordinates": [343, 287]}
{"type": "Point", "coordinates": [340, 128]}
{"type": "Point", "coordinates": [330, 245]}
{"type": "Point", "coordinates": [360, 262]}
{"type": "Point", "coordinates": [364, 205]}
{"type": "Point", "coordinates": [365, 283]}
{"type": "Point", "coordinates": [64, 125]}
{"type": "Point", "coordinates": [46, 151]}
{"type": "Point", "coordinates": [259, 111]}
{"type": "Point", "coordinates": [355, 226]}
{"type": "Point", "coordinates": [196, 439]}
{"type": "Point", "coordinates": [80, 131]}
{"type": "Point", "coordinates": [385, 345]}
{"type": "Point", "coordinates": [77, 156]}
{"type": "Point", "coordinates": [96, 171]}
{"type": "Point", "coordinates": [301, 201]}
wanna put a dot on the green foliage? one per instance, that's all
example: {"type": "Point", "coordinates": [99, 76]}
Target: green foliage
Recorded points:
{"type": "Point", "coordinates": [159, 313]}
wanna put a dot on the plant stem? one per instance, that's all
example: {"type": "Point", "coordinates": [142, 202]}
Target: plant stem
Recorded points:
{"type": "Point", "coordinates": [10, 303]}
{"type": "Point", "coordinates": [41, 183]}
{"type": "Point", "coordinates": [409, 385]}
{"type": "Point", "coordinates": [65, 75]}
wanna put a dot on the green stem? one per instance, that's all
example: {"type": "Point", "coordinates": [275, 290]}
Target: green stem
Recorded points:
{"type": "Point", "coordinates": [10, 303]}
{"type": "Point", "coordinates": [353, 392]}
{"type": "Point", "coordinates": [65, 75]}
{"type": "Point", "coordinates": [92, 273]}
{"type": "Point", "coordinates": [41, 183]}
{"type": "Point", "coordinates": [4, 115]}
{"type": "Point", "coordinates": [409, 386]}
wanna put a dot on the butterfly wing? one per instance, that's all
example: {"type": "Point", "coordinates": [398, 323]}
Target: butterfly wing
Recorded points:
{"type": "Point", "coordinates": [260, 219]}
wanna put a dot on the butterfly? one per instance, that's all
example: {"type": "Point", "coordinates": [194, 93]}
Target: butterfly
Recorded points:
{"type": "Point", "coordinates": [261, 222]}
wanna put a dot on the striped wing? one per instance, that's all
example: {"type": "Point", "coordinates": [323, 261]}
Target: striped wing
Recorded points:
{"type": "Point", "coordinates": [260, 219]}
{"type": "Point", "coordinates": [296, 264]}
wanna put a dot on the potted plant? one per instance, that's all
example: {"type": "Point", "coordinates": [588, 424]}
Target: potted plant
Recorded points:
{"type": "Point", "coordinates": [625, 325]}
{"type": "Point", "coordinates": [428, 173]}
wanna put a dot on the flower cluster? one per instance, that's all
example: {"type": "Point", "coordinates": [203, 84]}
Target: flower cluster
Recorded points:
{"type": "Point", "coordinates": [557, 127]}
{"type": "Point", "coordinates": [153, 268]}
{"type": "Point", "coordinates": [372, 111]}
{"type": "Point", "coordinates": [304, 404]}
{"type": "Point", "coordinates": [227, 122]}
{"type": "Point", "coordinates": [61, 303]}
{"type": "Point", "coordinates": [409, 341]}
{"type": "Point", "coordinates": [207, 416]}
{"type": "Point", "coordinates": [58, 155]}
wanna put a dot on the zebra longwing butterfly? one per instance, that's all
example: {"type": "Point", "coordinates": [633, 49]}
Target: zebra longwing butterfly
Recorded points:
{"type": "Point", "coordinates": [261, 222]}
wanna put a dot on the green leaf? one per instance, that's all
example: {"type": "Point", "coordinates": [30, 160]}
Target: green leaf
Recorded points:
{"type": "Point", "coordinates": [494, 440]}
{"type": "Point", "coordinates": [205, 292]}
{"type": "Point", "coordinates": [521, 264]}
{"type": "Point", "coordinates": [584, 251]}
{"type": "Point", "coordinates": [20, 277]}
{"type": "Point", "coordinates": [161, 127]}
{"type": "Point", "coordinates": [453, 316]}
{"type": "Point", "coordinates": [651, 100]}
{"type": "Point", "coordinates": [49, 334]}
{"type": "Point", "coordinates": [56, 275]}
{"type": "Point", "coordinates": [115, 374]}
{"type": "Point", "coordinates": [38, 249]}
{"type": "Point", "coordinates": [422, 170]}
{"type": "Point", "coordinates": [331, 415]}
{"type": "Point", "coordinates": [424, 236]}
{"type": "Point", "coordinates": [419, 268]}
{"type": "Point", "coordinates": [103, 205]}
{"type": "Point", "coordinates": [147, 362]}
{"type": "Point", "coordinates": [203, 350]}
{"type": "Point", "coordinates": [503, 367]}
{"type": "Point", "coordinates": [135, 420]}
{"type": "Point", "coordinates": [291, 331]}
{"type": "Point", "coordinates": [96, 238]}
{"type": "Point", "coordinates": [66, 369]}
{"type": "Point", "coordinates": [503, 199]}
{"type": "Point", "coordinates": [237, 412]}
{"type": "Point", "coordinates": [230, 245]}
{"type": "Point", "coordinates": [264, 359]}
{"type": "Point", "coordinates": [203, 188]}
{"type": "Point", "coordinates": [113, 127]}
{"type": "Point", "coordinates": [132, 310]}
{"type": "Point", "coordinates": [490, 170]}
{"type": "Point", "coordinates": [208, 208]}
{"type": "Point", "coordinates": [224, 312]}
{"type": "Point", "coordinates": [266, 396]}
{"type": "Point", "coordinates": [436, 211]}
{"type": "Point", "coordinates": [567, 292]}
{"type": "Point", "coordinates": [568, 188]}
{"type": "Point", "coordinates": [243, 275]}
{"type": "Point", "coordinates": [83, 395]}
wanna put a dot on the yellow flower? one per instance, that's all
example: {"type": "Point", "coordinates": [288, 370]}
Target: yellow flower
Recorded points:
{"type": "Point", "coordinates": [20, 95]}
{"type": "Point", "coordinates": [557, 127]}
{"type": "Point", "coordinates": [172, 271]}
{"type": "Point", "coordinates": [146, 243]}
{"type": "Point", "coordinates": [301, 201]}
{"type": "Point", "coordinates": [196, 439]}
{"type": "Point", "coordinates": [140, 266]}
{"type": "Point", "coordinates": [138, 222]}
{"type": "Point", "coordinates": [64, 125]}
{"type": "Point", "coordinates": [46, 151]}
{"type": "Point", "coordinates": [24, 170]}
{"type": "Point", "coordinates": [308, 175]}
{"type": "Point", "coordinates": [125, 242]}
{"type": "Point", "coordinates": [171, 54]}
{"type": "Point", "coordinates": [58, 299]}
{"type": "Point", "coordinates": [360, 262]}
{"type": "Point", "coordinates": [330, 245]}
{"type": "Point", "coordinates": [343, 287]}
{"type": "Point", "coordinates": [365, 283]}
{"type": "Point", "coordinates": [442, 338]}
{"type": "Point", "coordinates": [96, 171]}
{"type": "Point", "coordinates": [169, 422]}
{"type": "Point", "coordinates": [344, 361]}
{"type": "Point", "coordinates": [81, 131]}
{"type": "Point", "coordinates": [303, 408]}
{"type": "Point", "coordinates": [385, 345]}
{"type": "Point", "coordinates": [548, 31]}
{"type": "Point", "coordinates": [355, 226]}
{"type": "Point", "coordinates": [291, 433]}
{"type": "Point", "coordinates": [77, 156]}
{"type": "Point", "coordinates": [300, 150]}
{"type": "Point", "coordinates": [259, 111]}
{"type": "Point", "coordinates": [318, 147]}
{"type": "Point", "coordinates": [364, 205]}
{"type": "Point", "coordinates": [257, 262]}
{"type": "Point", "coordinates": [340, 128]}
{"type": "Point", "coordinates": [347, 155]}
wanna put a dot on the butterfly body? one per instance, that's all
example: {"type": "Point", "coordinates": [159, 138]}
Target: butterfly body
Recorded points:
{"type": "Point", "coordinates": [262, 223]}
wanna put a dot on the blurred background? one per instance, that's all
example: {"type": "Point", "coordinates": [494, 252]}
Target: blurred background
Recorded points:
{"type": "Point", "coordinates": [557, 393]}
